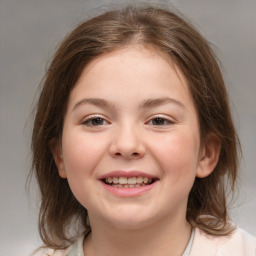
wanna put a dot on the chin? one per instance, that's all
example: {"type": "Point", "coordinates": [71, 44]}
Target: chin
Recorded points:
{"type": "Point", "coordinates": [129, 224]}
{"type": "Point", "coordinates": [130, 220]}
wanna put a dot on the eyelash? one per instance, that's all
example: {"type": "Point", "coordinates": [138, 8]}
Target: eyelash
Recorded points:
{"type": "Point", "coordinates": [89, 121]}
{"type": "Point", "coordinates": [161, 121]}
{"type": "Point", "coordinates": [164, 121]}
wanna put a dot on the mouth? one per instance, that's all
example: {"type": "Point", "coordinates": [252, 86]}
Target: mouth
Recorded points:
{"type": "Point", "coordinates": [128, 182]}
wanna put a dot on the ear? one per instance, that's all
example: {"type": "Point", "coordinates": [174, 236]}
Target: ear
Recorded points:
{"type": "Point", "coordinates": [209, 156]}
{"type": "Point", "coordinates": [56, 151]}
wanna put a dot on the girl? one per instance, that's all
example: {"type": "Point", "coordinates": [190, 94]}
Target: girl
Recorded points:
{"type": "Point", "coordinates": [134, 147]}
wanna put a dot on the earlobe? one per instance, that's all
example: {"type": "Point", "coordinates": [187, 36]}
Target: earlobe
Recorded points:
{"type": "Point", "coordinates": [56, 151]}
{"type": "Point", "coordinates": [209, 156]}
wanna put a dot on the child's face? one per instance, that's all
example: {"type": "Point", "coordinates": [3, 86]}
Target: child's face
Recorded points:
{"type": "Point", "coordinates": [131, 115]}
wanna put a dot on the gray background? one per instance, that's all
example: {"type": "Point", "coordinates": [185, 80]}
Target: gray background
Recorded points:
{"type": "Point", "coordinates": [29, 33]}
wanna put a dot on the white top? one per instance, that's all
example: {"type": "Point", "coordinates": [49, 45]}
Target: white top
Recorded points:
{"type": "Point", "coordinates": [189, 245]}
{"type": "Point", "coordinates": [77, 248]}
{"type": "Point", "coordinates": [240, 243]}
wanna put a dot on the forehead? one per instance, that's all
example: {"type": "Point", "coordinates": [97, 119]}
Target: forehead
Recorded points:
{"type": "Point", "coordinates": [136, 71]}
{"type": "Point", "coordinates": [132, 59]}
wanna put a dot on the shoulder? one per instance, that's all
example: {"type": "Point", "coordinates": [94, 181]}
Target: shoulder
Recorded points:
{"type": "Point", "coordinates": [50, 252]}
{"type": "Point", "coordinates": [236, 244]}
{"type": "Point", "coordinates": [74, 249]}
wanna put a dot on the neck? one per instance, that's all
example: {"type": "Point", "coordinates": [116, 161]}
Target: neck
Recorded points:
{"type": "Point", "coordinates": [161, 238]}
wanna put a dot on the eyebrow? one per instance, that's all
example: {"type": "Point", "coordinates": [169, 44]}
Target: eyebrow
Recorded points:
{"type": "Point", "coordinates": [154, 102]}
{"type": "Point", "coordinates": [149, 103]}
{"type": "Point", "coordinates": [93, 101]}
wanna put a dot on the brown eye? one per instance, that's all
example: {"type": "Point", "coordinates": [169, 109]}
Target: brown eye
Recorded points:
{"type": "Point", "coordinates": [160, 121]}
{"type": "Point", "coordinates": [96, 121]}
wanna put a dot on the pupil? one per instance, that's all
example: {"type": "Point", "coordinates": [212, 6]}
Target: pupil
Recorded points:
{"type": "Point", "coordinates": [97, 121]}
{"type": "Point", "coordinates": [158, 121]}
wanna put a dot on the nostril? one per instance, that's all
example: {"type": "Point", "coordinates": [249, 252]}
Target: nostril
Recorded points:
{"type": "Point", "coordinates": [135, 154]}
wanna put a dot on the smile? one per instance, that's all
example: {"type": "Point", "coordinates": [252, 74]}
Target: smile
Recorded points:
{"type": "Point", "coordinates": [128, 182]}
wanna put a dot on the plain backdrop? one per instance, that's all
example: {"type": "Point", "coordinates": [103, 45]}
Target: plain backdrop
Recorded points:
{"type": "Point", "coordinates": [30, 31]}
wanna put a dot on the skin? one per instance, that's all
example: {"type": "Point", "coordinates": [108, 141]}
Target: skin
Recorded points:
{"type": "Point", "coordinates": [161, 139]}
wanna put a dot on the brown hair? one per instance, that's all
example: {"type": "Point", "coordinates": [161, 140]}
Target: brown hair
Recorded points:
{"type": "Point", "coordinates": [167, 32]}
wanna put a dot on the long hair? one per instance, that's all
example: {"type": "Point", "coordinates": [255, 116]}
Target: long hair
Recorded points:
{"type": "Point", "coordinates": [172, 35]}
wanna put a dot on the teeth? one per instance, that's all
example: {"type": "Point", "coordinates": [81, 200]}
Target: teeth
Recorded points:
{"type": "Point", "coordinates": [115, 180]}
{"type": "Point", "coordinates": [132, 180]}
{"type": "Point", "coordinates": [122, 180]}
{"type": "Point", "coordinates": [140, 179]}
{"type": "Point", "coordinates": [128, 182]}
{"type": "Point", "coordinates": [128, 185]}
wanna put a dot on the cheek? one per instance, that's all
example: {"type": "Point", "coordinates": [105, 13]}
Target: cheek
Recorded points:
{"type": "Point", "coordinates": [81, 156]}
{"type": "Point", "coordinates": [178, 155]}
{"type": "Point", "coordinates": [81, 153]}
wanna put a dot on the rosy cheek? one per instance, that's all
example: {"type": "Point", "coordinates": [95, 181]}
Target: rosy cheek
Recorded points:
{"type": "Point", "coordinates": [176, 154]}
{"type": "Point", "coordinates": [82, 154]}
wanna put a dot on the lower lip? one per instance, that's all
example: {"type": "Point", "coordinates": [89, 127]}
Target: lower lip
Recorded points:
{"type": "Point", "coordinates": [128, 192]}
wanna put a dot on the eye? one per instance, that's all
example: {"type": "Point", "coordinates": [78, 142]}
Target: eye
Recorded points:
{"type": "Point", "coordinates": [94, 121]}
{"type": "Point", "coordinates": [159, 121]}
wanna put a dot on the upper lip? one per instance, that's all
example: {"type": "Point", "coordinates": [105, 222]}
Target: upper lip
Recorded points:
{"type": "Point", "coordinates": [122, 173]}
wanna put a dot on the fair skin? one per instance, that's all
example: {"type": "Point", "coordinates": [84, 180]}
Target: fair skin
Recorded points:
{"type": "Point", "coordinates": [131, 120]}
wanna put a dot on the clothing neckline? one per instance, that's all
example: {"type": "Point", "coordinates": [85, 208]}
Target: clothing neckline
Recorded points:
{"type": "Point", "coordinates": [189, 245]}
{"type": "Point", "coordinates": [77, 248]}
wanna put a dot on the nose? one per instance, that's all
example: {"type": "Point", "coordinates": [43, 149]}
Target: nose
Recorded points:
{"type": "Point", "coordinates": [127, 143]}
